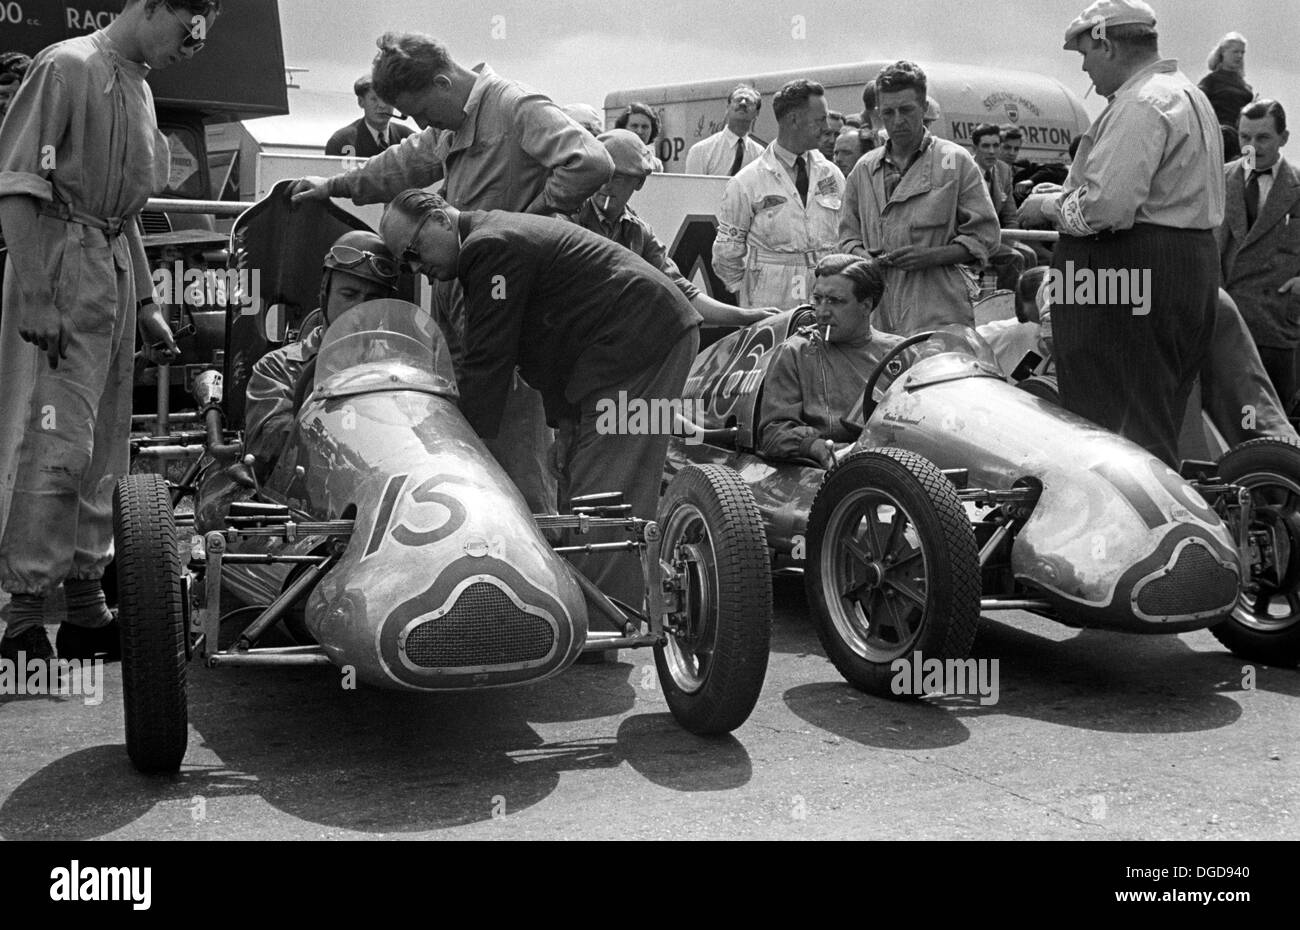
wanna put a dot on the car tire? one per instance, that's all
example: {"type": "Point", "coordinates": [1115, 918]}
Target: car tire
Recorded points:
{"type": "Point", "coordinates": [712, 670]}
{"type": "Point", "coordinates": [152, 623]}
{"type": "Point", "coordinates": [928, 532]}
{"type": "Point", "coordinates": [1270, 468]}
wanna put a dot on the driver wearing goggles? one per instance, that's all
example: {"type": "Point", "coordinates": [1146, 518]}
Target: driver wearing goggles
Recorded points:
{"type": "Point", "coordinates": [357, 268]}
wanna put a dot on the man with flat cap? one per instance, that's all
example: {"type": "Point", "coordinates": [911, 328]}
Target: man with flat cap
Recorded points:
{"type": "Point", "coordinates": [1137, 214]}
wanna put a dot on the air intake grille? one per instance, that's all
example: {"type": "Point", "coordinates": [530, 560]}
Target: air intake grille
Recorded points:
{"type": "Point", "coordinates": [1198, 583]}
{"type": "Point", "coordinates": [154, 221]}
{"type": "Point", "coordinates": [483, 628]}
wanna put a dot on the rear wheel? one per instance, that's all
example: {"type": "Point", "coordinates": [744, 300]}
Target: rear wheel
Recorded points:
{"type": "Point", "coordinates": [1265, 624]}
{"type": "Point", "coordinates": [893, 568]}
{"type": "Point", "coordinates": [152, 623]}
{"type": "Point", "coordinates": [714, 660]}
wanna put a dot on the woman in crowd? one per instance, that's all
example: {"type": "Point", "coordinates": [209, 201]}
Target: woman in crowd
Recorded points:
{"type": "Point", "coordinates": [641, 120]}
{"type": "Point", "coordinates": [1226, 87]}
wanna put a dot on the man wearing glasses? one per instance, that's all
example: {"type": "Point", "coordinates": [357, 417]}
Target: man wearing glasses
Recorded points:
{"type": "Point", "coordinates": [593, 326]}
{"type": "Point", "coordinates": [729, 149]}
{"type": "Point", "coordinates": [80, 153]}
{"type": "Point", "coordinates": [358, 267]}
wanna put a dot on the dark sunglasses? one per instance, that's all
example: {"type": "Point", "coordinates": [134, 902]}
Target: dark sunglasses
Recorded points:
{"type": "Point", "coordinates": [191, 41]}
{"type": "Point", "coordinates": [348, 257]}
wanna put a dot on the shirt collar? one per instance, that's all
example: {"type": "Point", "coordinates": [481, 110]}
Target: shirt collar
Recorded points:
{"type": "Point", "coordinates": [888, 153]}
{"type": "Point", "coordinates": [114, 54]}
{"type": "Point", "coordinates": [729, 137]}
{"type": "Point", "coordinates": [465, 134]}
{"type": "Point", "coordinates": [784, 155]}
{"type": "Point", "coordinates": [1162, 66]}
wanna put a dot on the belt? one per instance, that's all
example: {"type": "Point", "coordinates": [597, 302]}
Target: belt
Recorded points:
{"type": "Point", "coordinates": [806, 257]}
{"type": "Point", "coordinates": [111, 227]}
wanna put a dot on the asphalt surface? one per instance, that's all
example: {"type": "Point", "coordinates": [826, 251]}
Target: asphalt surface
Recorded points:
{"type": "Point", "coordinates": [1094, 736]}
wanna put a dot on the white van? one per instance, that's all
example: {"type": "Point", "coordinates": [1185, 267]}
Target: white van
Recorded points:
{"type": "Point", "coordinates": [1048, 113]}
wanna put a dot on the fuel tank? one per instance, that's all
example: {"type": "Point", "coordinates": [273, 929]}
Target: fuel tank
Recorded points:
{"type": "Point", "coordinates": [1117, 539]}
{"type": "Point", "coordinates": [446, 582]}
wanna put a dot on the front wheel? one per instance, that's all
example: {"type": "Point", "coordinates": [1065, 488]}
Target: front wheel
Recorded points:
{"type": "Point", "coordinates": [893, 569]}
{"type": "Point", "coordinates": [714, 659]}
{"type": "Point", "coordinates": [152, 623]}
{"type": "Point", "coordinates": [1265, 624]}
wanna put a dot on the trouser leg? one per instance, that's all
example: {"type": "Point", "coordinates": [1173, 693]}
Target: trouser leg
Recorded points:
{"type": "Point", "coordinates": [59, 513]}
{"type": "Point", "coordinates": [522, 446]}
{"type": "Point", "coordinates": [1281, 367]}
{"type": "Point", "coordinates": [633, 464]}
{"type": "Point", "coordinates": [1133, 372]}
{"type": "Point", "coordinates": [1236, 390]}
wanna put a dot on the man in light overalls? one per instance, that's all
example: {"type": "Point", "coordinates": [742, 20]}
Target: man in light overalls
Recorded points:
{"type": "Point", "coordinates": [80, 153]}
{"type": "Point", "coordinates": [780, 214]}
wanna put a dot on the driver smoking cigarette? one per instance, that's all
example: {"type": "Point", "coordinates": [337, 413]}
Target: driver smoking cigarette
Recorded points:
{"type": "Point", "coordinates": [828, 332]}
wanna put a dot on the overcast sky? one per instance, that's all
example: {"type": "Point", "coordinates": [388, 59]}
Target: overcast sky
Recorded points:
{"type": "Point", "coordinates": [579, 51]}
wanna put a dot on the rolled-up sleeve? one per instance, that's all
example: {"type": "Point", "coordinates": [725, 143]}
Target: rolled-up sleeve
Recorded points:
{"type": "Point", "coordinates": [32, 132]}
{"type": "Point", "coordinates": [977, 220]}
{"type": "Point", "coordinates": [579, 165]}
{"type": "Point", "coordinates": [416, 162]}
{"type": "Point", "coordinates": [851, 241]}
{"type": "Point", "coordinates": [732, 240]}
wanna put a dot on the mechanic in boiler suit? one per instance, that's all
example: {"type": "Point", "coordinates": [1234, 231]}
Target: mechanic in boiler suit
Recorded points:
{"type": "Point", "coordinates": [780, 214]}
{"type": "Point", "coordinates": [80, 153]}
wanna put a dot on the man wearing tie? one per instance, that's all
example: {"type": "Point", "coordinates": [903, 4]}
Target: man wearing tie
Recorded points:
{"type": "Point", "coordinates": [724, 153]}
{"type": "Point", "coordinates": [1259, 242]}
{"type": "Point", "coordinates": [780, 214]}
{"type": "Point", "coordinates": [371, 134]}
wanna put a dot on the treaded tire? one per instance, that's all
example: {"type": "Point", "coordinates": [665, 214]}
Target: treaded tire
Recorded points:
{"type": "Point", "coordinates": [713, 532]}
{"type": "Point", "coordinates": [1270, 467]}
{"type": "Point", "coordinates": [933, 572]}
{"type": "Point", "coordinates": [152, 623]}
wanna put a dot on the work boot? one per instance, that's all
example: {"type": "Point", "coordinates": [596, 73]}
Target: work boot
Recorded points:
{"type": "Point", "coordinates": [79, 642]}
{"type": "Point", "coordinates": [31, 642]}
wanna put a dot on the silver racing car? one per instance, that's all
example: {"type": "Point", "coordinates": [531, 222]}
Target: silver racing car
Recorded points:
{"type": "Point", "coordinates": [965, 494]}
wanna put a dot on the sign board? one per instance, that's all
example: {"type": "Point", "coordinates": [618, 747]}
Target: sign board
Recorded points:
{"type": "Point", "coordinates": [239, 74]}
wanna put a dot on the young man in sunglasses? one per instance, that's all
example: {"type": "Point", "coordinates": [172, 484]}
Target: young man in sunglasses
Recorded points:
{"type": "Point", "coordinates": [80, 153]}
{"type": "Point", "coordinates": [357, 268]}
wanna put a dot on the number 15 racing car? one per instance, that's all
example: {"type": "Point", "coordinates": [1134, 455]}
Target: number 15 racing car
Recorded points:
{"type": "Point", "coordinates": [393, 547]}
{"type": "Point", "coordinates": [965, 493]}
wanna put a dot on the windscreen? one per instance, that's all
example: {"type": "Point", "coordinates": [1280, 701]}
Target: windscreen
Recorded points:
{"type": "Point", "coordinates": [384, 345]}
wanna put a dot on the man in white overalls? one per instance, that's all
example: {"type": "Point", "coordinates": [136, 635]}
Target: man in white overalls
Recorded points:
{"type": "Point", "coordinates": [780, 214]}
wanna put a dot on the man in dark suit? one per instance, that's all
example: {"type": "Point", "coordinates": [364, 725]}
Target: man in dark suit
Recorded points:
{"type": "Point", "coordinates": [1259, 242]}
{"type": "Point", "coordinates": [590, 324]}
{"type": "Point", "coordinates": [371, 134]}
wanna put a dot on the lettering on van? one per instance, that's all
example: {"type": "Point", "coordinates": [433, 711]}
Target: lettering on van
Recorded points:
{"type": "Point", "coordinates": [1049, 136]}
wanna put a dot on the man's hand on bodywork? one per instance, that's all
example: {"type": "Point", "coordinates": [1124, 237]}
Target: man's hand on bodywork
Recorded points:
{"type": "Point", "coordinates": [313, 188]}
{"type": "Point", "coordinates": [1291, 287]}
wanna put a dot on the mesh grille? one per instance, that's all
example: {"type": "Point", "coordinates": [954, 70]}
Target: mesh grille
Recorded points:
{"type": "Point", "coordinates": [1198, 583]}
{"type": "Point", "coordinates": [483, 628]}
